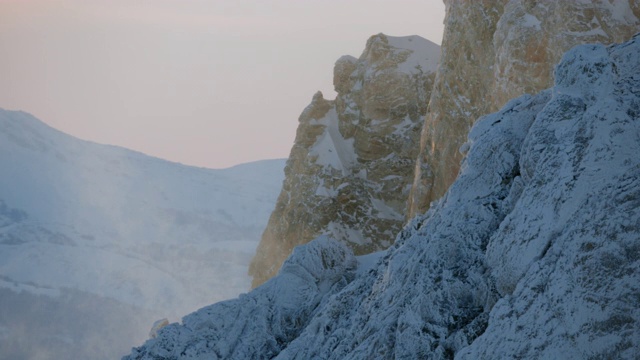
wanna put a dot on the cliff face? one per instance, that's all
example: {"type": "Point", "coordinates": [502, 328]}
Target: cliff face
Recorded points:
{"type": "Point", "coordinates": [493, 51]}
{"type": "Point", "coordinates": [532, 253]}
{"type": "Point", "coordinates": [351, 166]}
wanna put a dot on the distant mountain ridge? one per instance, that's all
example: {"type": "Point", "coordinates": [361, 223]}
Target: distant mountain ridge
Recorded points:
{"type": "Point", "coordinates": [122, 225]}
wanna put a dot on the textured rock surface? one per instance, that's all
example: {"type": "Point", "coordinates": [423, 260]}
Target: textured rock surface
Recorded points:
{"type": "Point", "coordinates": [493, 51]}
{"type": "Point", "coordinates": [261, 323]}
{"type": "Point", "coordinates": [533, 253]}
{"type": "Point", "coordinates": [352, 162]}
{"type": "Point", "coordinates": [569, 277]}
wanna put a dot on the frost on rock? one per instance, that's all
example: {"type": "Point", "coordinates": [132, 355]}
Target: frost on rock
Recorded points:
{"type": "Point", "coordinates": [429, 295]}
{"type": "Point", "coordinates": [259, 324]}
{"type": "Point", "coordinates": [157, 325]}
{"type": "Point", "coordinates": [533, 253]}
{"type": "Point", "coordinates": [566, 260]}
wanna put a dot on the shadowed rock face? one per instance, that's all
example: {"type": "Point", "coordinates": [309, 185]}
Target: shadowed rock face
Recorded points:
{"type": "Point", "coordinates": [493, 51]}
{"type": "Point", "coordinates": [351, 166]}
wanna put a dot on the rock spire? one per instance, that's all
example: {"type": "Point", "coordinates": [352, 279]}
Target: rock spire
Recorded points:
{"type": "Point", "coordinates": [351, 165]}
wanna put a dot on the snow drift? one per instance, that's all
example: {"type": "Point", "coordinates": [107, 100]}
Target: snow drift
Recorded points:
{"type": "Point", "coordinates": [532, 253]}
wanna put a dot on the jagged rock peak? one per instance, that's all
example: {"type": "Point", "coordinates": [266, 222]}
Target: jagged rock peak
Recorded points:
{"type": "Point", "coordinates": [494, 51]}
{"type": "Point", "coordinates": [351, 164]}
{"type": "Point", "coordinates": [316, 109]}
{"type": "Point", "coordinates": [317, 97]}
{"type": "Point", "coordinates": [533, 252]}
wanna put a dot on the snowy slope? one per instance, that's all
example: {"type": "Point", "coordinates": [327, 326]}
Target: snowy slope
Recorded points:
{"type": "Point", "coordinates": [533, 252]}
{"type": "Point", "coordinates": [117, 224]}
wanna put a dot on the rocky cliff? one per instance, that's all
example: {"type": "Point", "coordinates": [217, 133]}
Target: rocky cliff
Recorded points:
{"type": "Point", "coordinates": [533, 252]}
{"type": "Point", "coordinates": [493, 51]}
{"type": "Point", "coordinates": [351, 166]}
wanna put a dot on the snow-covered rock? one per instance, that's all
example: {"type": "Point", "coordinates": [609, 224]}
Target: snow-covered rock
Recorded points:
{"type": "Point", "coordinates": [260, 324]}
{"type": "Point", "coordinates": [493, 51]}
{"type": "Point", "coordinates": [117, 224]}
{"type": "Point", "coordinates": [533, 253]}
{"type": "Point", "coordinates": [569, 276]}
{"type": "Point", "coordinates": [157, 325]}
{"type": "Point", "coordinates": [352, 162]}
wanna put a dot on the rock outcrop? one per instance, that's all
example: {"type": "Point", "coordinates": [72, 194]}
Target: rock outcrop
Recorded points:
{"type": "Point", "coordinates": [351, 166]}
{"type": "Point", "coordinates": [260, 324]}
{"type": "Point", "coordinates": [493, 51]}
{"type": "Point", "coordinates": [533, 252]}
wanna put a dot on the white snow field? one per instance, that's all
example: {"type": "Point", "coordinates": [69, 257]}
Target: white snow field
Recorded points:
{"type": "Point", "coordinates": [119, 227]}
{"type": "Point", "coordinates": [533, 253]}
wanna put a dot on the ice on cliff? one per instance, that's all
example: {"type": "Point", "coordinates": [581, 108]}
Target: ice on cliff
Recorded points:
{"type": "Point", "coordinates": [534, 252]}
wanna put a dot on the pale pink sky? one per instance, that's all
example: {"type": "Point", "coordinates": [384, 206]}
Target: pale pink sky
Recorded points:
{"type": "Point", "coordinates": [208, 83]}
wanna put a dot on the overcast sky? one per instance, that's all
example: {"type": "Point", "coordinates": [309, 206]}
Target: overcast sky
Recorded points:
{"type": "Point", "coordinates": [208, 83]}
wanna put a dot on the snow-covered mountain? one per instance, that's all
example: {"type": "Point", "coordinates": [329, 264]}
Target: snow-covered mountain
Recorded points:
{"type": "Point", "coordinates": [122, 227]}
{"type": "Point", "coordinates": [533, 253]}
